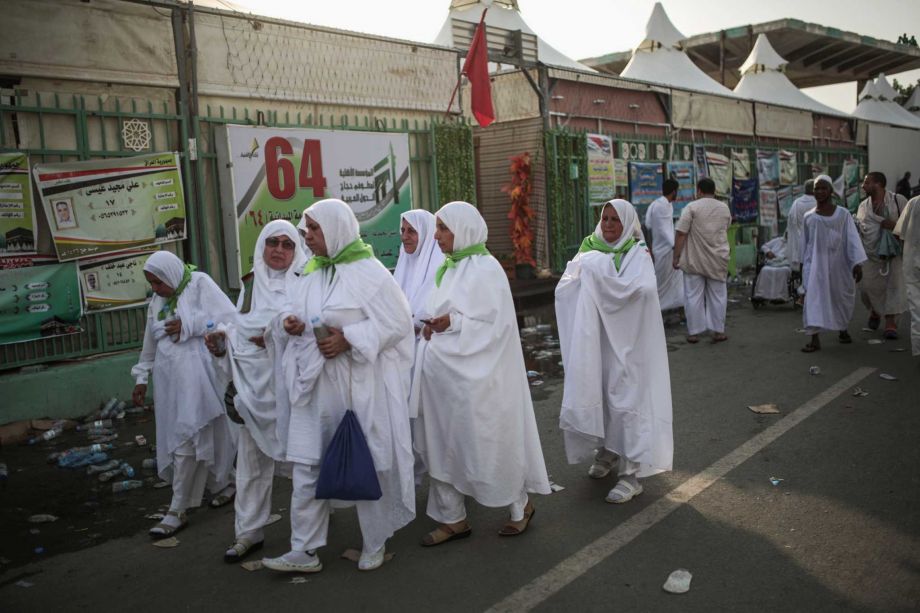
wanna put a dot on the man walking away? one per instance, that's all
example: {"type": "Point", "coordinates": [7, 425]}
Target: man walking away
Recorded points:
{"type": "Point", "coordinates": [659, 219]}
{"type": "Point", "coordinates": [701, 251]}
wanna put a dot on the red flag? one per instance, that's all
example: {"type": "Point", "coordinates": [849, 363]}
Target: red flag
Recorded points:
{"type": "Point", "coordinates": [476, 69]}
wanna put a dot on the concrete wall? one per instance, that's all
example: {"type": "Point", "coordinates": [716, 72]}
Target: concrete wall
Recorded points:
{"type": "Point", "coordinates": [66, 389]}
{"type": "Point", "coordinates": [894, 151]}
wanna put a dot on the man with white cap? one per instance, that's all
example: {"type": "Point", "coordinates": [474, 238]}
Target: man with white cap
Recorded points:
{"type": "Point", "coordinates": [831, 266]}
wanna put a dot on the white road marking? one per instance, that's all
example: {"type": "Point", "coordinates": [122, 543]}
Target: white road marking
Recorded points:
{"type": "Point", "coordinates": [576, 565]}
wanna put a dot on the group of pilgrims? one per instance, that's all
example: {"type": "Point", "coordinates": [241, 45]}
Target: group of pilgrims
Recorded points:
{"type": "Point", "coordinates": [429, 360]}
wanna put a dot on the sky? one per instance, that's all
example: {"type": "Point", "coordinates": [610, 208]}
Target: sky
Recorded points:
{"type": "Point", "coordinates": [588, 28]}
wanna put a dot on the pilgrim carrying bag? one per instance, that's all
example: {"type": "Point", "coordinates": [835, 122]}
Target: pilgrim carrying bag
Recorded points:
{"type": "Point", "coordinates": [347, 471]}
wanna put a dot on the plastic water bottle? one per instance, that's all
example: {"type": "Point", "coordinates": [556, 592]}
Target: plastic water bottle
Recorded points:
{"type": "Point", "coordinates": [124, 486]}
{"type": "Point", "coordinates": [101, 468]}
{"type": "Point", "coordinates": [47, 435]}
{"type": "Point", "coordinates": [108, 408]}
{"type": "Point", "coordinates": [4, 473]}
{"type": "Point", "coordinates": [127, 469]}
{"type": "Point", "coordinates": [96, 425]}
{"type": "Point", "coordinates": [320, 331]}
{"type": "Point", "coordinates": [218, 339]}
{"type": "Point", "coordinates": [149, 464]}
{"type": "Point", "coordinates": [78, 460]}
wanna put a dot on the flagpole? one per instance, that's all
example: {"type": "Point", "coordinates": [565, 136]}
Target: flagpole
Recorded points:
{"type": "Point", "coordinates": [453, 94]}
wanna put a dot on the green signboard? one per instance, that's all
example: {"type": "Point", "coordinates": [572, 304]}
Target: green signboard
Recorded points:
{"type": "Point", "coordinates": [38, 302]}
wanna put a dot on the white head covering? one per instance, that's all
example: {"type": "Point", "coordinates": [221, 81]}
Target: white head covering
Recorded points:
{"type": "Point", "coordinates": [628, 217]}
{"type": "Point", "coordinates": [338, 221]}
{"type": "Point", "coordinates": [415, 272]}
{"type": "Point", "coordinates": [269, 286]}
{"type": "Point", "coordinates": [464, 220]}
{"type": "Point", "coordinates": [302, 226]}
{"type": "Point", "coordinates": [825, 178]}
{"type": "Point", "coordinates": [167, 267]}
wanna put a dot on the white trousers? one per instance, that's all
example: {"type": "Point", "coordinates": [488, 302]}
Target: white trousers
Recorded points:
{"type": "Point", "coordinates": [446, 505]}
{"type": "Point", "coordinates": [705, 304]}
{"type": "Point", "coordinates": [254, 474]}
{"type": "Point", "coordinates": [913, 304]}
{"type": "Point", "coordinates": [189, 478]}
{"type": "Point", "coordinates": [310, 517]}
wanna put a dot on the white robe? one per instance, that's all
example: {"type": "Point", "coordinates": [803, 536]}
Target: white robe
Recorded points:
{"type": "Point", "coordinates": [476, 427]}
{"type": "Point", "coordinates": [415, 271]}
{"type": "Point", "coordinates": [795, 226]}
{"type": "Point", "coordinates": [363, 300]}
{"type": "Point", "coordinates": [251, 366]}
{"type": "Point", "coordinates": [908, 230]}
{"type": "Point", "coordinates": [659, 218]}
{"type": "Point", "coordinates": [773, 278]}
{"type": "Point", "coordinates": [188, 392]}
{"type": "Point", "coordinates": [831, 249]}
{"type": "Point", "coordinates": [617, 391]}
{"type": "Point", "coordinates": [882, 285]}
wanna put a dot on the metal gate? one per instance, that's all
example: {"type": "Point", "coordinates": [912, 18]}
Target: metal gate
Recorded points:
{"type": "Point", "coordinates": [566, 194]}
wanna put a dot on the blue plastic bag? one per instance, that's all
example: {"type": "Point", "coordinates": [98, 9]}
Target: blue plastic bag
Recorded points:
{"type": "Point", "coordinates": [347, 471]}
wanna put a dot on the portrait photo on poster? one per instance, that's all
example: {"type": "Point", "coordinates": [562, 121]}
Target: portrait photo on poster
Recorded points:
{"type": "Point", "coordinates": [64, 216]}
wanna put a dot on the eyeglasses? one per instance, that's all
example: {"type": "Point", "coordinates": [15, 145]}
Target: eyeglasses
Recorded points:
{"type": "Point", "coordinates": [275, 241]}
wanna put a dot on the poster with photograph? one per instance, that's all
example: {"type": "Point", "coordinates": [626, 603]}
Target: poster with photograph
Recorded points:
{"type": "Point", "coordinates": [17, 210]}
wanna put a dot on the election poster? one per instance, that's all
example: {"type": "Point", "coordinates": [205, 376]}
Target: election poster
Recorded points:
{"type": "Point", "coordinates": [768, 210]}
{"type": "Point", "coordinates": [744, 200]}
{"type": "Point", "coordinates": [106, 206]}
{"type": "Point", "coordinates": [720, 171]}
{"type": "Point", "coordinates": [646, 180]}
{"type": "Point", "coordinates": [276, 173]}
{"type": "Point", "coordinates": [114, 283]}
{"type": "Point", "coordinates": [601, 172]}
{"type": "Point", "coordinates": [39, 302]}
{"type": "Point", "coordinates": [682, 172]}
{"type": "Point", "coordinates": [741, 164]}
{"type": "Point", "coordinates": [788, 168]}
{"type": "Point", "coordinates": [17, 211]}
{"type": "Point", "coordinates": [767, 169]}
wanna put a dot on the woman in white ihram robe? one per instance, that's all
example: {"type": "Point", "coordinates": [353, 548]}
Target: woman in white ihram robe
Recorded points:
{"type": "Point", "coordinates": [475, 424]}
{"type": "Point", "coordinates": [276, 269]}
{"type": "Point", "coordinates": [617, 390]}
{"type": "Point", "coordinates": [195, 442]}
{"type": "Point", "coordinates": [415, 269]}
{"type": "Point", "coordinates": [360, 366]}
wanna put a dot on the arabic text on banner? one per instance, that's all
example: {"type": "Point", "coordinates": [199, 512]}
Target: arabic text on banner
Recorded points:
{"type": "Point", "coordinates": [106, 206]}
{"type": "Point", "coordinates": [767, 169]}
{"type": "Point", "coordinates": [646, 180]}
{"type": "Point", "coordinates": [768, 208]}
{"type": "Point", "coordinates": [788, 168]}
{"type": "Point", "coordinates": [682, 172]}
{"type": "Point", "coordinates": [744, 200]}
{"type": "Point", "coordinates": [17, 211]}
{"type": "Point", "coordinates": [720, 171]}
{"type": "Point", "coordinates": [39, 302]}
{"type": "Point", "coordinates": [276, 173]}
{"type": "Point", "coordinates": [601, 175]}
{"type": "Point", "coordinates": [741, 164]}
{"type": "Point", "coordinates": [115, 282]}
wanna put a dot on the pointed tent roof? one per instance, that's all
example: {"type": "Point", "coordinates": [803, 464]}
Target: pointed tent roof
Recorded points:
{"type": "Point", "coordinates": [872, 108]}
{"type": "Point", "coordinates": [913, 103]}
{"type": "Point", "coordinates": [659, 58]}
{"type": "Point", "coordinates": [503, 14]}
{"type": "Point", "coordinates": [763, 80]}
{"type": "Point", "coordinates": [888, 95]}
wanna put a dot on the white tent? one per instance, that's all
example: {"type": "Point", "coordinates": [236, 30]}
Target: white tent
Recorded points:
{"type": "Point", "coordinates": [871, 107]}
{"type": "Point", "coordinates": [505, 15]}
{"type": "Point", "coordinates": [763, 79]}
{"type": "Point", "coordinates": [913, 103]}
{"type": "Point", "coordinates": [888, 96]}
{"type": "Point", "coordinates": [659, 58]}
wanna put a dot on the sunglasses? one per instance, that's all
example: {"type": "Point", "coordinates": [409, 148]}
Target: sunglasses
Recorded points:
{"type": "Point", "coordinates": [275, 242]}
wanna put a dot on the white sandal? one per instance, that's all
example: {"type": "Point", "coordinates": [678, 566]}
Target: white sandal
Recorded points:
{"type": "Point", "coordinates": [623, 491]}
{"type": "Point", "coordinates": [163, 530]}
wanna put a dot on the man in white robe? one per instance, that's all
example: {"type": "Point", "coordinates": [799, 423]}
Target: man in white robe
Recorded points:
{"type": "Point", "coordinates": [476, 428]}
{"type": "Point", "coordinates": [659, 219]}
{"type": "Point", "coordinates": [831, 267]}
{"type": "Point", "coordinates": [773, 278]}
{"type": "Point", "coordinates": [277, 262]}
{"type": "Point", "coordinates": [346, 345]}
{"type": "Point", "coordinates": [908, 230]}
{"type": "Point", "coordinates": [795, 227]}
{"type": "Point", "coordinates": [195, 442]}
{"type": "Point", "coordinates": [617, 394]}
{"type": "Point", "coordinates": [882, 285]}
{"type": "Point", "coordinates": [701, 251]}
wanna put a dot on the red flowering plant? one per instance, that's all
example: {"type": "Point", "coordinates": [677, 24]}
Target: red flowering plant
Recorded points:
{"type": "Point", "coordinates": [521, 214]}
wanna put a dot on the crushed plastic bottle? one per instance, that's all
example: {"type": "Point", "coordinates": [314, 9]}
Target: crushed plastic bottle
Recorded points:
{"type": "Point", "coordinates": [109, 408]}
{"type": "Point", "coordinates": [149, 464]}
{"type": "Point", "coordinates": [96, 425]}
{"type": "Point", "coordinates": [220, 342]}
{"type": "Point", "coordinates": [47, 435]}
{"type": "Point", "coordinates": [101, 468]}
{"type": "Point", "coordinates": [78, 460]}
{"type": "Point", "coordinates": [4, 473]}
{"type": "Point", "coordinates": [124, 486]}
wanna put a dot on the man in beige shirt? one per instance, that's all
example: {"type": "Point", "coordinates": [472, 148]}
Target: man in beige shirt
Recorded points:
{"type": "Point", "coordinates": [701, 251]}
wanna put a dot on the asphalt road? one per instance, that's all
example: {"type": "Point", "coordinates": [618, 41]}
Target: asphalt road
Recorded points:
{"type": "Point", "coordinates": [840, 531]}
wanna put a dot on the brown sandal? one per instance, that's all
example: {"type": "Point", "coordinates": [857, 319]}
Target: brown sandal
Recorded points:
{"type": "Point", "coordinates": [445, 533]}
{"type": "Point", "coordinates": [693, 339]}
{"type": "Point", "coordinates": [515, 528]}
